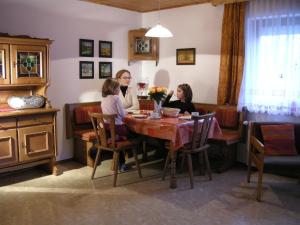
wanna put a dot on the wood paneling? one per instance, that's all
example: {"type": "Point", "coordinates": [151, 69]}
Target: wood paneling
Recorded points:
{"type": "Point", "coordinates": [35, 120]}
{"type": "Point", "coordinates": [152, 5]}
{"type": "Point", "coordinates": [8, 148]}
{"type": "Point", "coordinates": [35, 142]}
{"type": "Point", "coordinates": [146, 5]}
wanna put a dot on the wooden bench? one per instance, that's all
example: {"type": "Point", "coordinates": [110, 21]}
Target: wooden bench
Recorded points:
{"type": "Point", "coordinates": [79, 127]}
{"type": "Point", "coordinates": [223, 150]}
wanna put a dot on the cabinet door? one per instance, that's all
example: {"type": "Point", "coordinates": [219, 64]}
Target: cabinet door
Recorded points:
{"type": "Point", "coordinates": [28, 64]}
{"type": "Point", "coordinates": [4, 64]}
{"type": "Point", "coordinates": [36, 142]}
{"type": "Point", "coordinates": [8, 147]}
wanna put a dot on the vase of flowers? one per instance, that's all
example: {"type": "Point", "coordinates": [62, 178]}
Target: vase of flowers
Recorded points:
{"type": "Point", "coordinates": [157, 94]}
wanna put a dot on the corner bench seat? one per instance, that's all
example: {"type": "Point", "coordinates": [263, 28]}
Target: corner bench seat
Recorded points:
{"type": "Point", "coordinates": [79, 127]}
{"type": "Point", "coordinates": [223, 150]}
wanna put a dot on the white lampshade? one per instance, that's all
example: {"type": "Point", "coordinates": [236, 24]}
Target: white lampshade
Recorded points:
{"type": "Point", "coordinates": [158, 31]}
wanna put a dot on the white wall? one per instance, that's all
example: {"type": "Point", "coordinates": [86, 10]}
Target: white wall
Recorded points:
{"type": "Point", "coordinates": [197, 27]}
{"type": "Point", "coordinates": [65, 21]}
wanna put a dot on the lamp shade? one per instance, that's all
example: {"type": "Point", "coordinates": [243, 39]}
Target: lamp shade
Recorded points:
{"type": "Point", "coordinates": [158, 31]}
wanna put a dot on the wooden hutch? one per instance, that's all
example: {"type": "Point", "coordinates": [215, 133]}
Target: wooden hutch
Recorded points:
{"type": "Point", "coordinates": [27, 136]}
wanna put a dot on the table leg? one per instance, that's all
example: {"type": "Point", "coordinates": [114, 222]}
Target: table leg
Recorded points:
{"type": "Point", "coordinates": [173, 154]}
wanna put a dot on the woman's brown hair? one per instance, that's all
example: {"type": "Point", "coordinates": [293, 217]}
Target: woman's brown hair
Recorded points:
{"type": "Point", "coordinates": [109, 87]}
{"type": "Point", "coordinates": [187, 91]}
{"type": "Point", "coordinates": [120, 72]}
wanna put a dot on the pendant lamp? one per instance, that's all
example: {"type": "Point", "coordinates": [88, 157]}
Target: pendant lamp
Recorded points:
{"type": "Point", "coordinates": [159, 30]}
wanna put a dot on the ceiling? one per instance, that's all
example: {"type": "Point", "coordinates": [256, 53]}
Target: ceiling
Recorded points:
{"type": "Point", "coordinates": [153, 5]}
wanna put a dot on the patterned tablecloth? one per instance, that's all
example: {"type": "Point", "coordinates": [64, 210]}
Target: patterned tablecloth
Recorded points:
{"type": "Point", "coordinates": [178, 131]}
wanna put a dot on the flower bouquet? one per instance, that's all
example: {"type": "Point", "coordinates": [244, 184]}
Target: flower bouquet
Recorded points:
{"type": "Point", "coordinates": [157, 94]}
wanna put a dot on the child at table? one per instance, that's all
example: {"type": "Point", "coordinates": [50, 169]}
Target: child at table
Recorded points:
{"type": "Point", "coordinates": [184, 102]}
{"type": "Point", "coordinates": [111, 104]}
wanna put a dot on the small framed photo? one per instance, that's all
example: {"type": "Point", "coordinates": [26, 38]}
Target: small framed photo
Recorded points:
{"type": "Point", "coordinates": [86, 70]}
{"type": "Point", "coordinates": [105, 70]}
{"type": "Point", "coordinates": [185, 56]}
{"type": "Point", "coordinates": [105, 49]}
{"type": "Point", "coordinates": [86, 48]}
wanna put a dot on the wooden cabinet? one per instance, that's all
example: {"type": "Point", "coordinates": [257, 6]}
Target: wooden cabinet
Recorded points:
{"type": "Point", "coordinates": [141, 47]}
{"type": "Point", "coordinates": [28, 136]}
{"type": "Point", "coordinates": [35, 142]}
{"type": "Point", "coordinates": [8, 147]}
{"type": "Point", "coordinates": [4, 64]}
{"type": "Point", "coordinates": [24, 61]}
{"type": "Point", "coordinates": [28, 64]}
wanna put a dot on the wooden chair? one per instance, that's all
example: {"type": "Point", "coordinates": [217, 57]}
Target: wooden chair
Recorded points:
{"type": "Point", "coordinates": [113, 143]}
{"type": "Point", "coordinates": [198, 145]}
{"type": "Point", "coordinates": [287, 165]}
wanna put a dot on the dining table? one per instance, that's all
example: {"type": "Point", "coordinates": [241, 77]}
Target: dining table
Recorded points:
{"type": "Point", "coordinates": [177, 130]}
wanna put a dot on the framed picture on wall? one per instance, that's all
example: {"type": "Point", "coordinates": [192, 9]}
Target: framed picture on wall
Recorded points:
{"type": "Point", "coordinates": [105, 49]}
{"type": "Point", "coordinates": [185, 56]}
{"type": "Point", "coordinates": [105, 70]}
{"type": "Point", "coordinates": [86, 48]}
{"type": "Point", "coordinates": [86, 70]}
{"type": "Point", "coordinates": [141, 47]}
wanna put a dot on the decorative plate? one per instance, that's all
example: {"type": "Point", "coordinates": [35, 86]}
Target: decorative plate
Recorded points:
{"type": "Point", "coordinates": [26, 102]}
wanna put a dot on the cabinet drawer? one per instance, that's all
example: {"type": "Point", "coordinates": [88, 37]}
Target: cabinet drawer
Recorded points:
{"type": "Point", "coordinates": [35, 120]}
{"type": "Point", "coordinates": [36, 142]}
{"type": "Point", "coordinates": [8, 123]}
{"type": "Point", "coordinates": [8, 147]}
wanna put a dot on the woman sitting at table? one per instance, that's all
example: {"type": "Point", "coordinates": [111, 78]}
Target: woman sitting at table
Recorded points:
{"type": "Point", "coordinates": [184, 102]}
{"type": "Point", "coordinates": [127, 95]}
{"type": "Point", "coordinates": [112, 105]}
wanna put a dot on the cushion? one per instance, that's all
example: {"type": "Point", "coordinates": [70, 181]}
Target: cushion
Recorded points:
{"type": "Point", "coordinates": [284, 166]}
{"type": "Point", "coordinates": [87, 135]}
{"type": "Point", "coordinates": [82, 113]}
{"type": "Point", "coordinates": [279, 139]}
{"type": "Point", "coordinates": [227, 117]}
{"type": "Point", "coordinates": [228, 137]}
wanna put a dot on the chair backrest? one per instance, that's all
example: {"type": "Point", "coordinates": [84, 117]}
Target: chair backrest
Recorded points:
{"type": "Point", "coordinates": [202, 126]}
{"type": "Point", "coordinates": [100, 124]}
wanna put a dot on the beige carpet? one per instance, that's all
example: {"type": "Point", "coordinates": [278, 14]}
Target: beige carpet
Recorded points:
{"type": "Point", "coordinates": [32, 197]}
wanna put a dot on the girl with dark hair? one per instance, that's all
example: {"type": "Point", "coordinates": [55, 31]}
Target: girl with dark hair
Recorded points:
{"type": "Point", "coordinates": [184, 102]}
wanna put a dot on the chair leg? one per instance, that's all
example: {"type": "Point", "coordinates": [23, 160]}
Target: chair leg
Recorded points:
{"type": "Point", "coordinates": [259, 184]}
{"type": "Point", "coordinates": [249, 170]}
{"type": "Point", "coordinates": [166, 165]}
{"type": "Point", "coordinates": [207, 164]}
{"type": "Point", "coordinates": [190, 165]}
{"type": "Point", "coordinates": [182, 162]}
{"type": "Point", "coordinates": [137, 162]}
{"type": "Point", "coordinates": [96, 162]}
{"type": "Point", "coordinates": [145, 156]}
{"type": "Point", "coordinates": [200, 159]}
{"type": "Point", "coordinates": [116, 164]}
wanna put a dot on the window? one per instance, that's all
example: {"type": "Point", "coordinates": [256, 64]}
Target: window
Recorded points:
{"type": "Point", "coordinates": [271, 82]}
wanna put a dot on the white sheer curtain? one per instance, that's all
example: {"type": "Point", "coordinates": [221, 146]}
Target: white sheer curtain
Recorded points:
{"type": "Point", "coordinates": [271, 81]}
